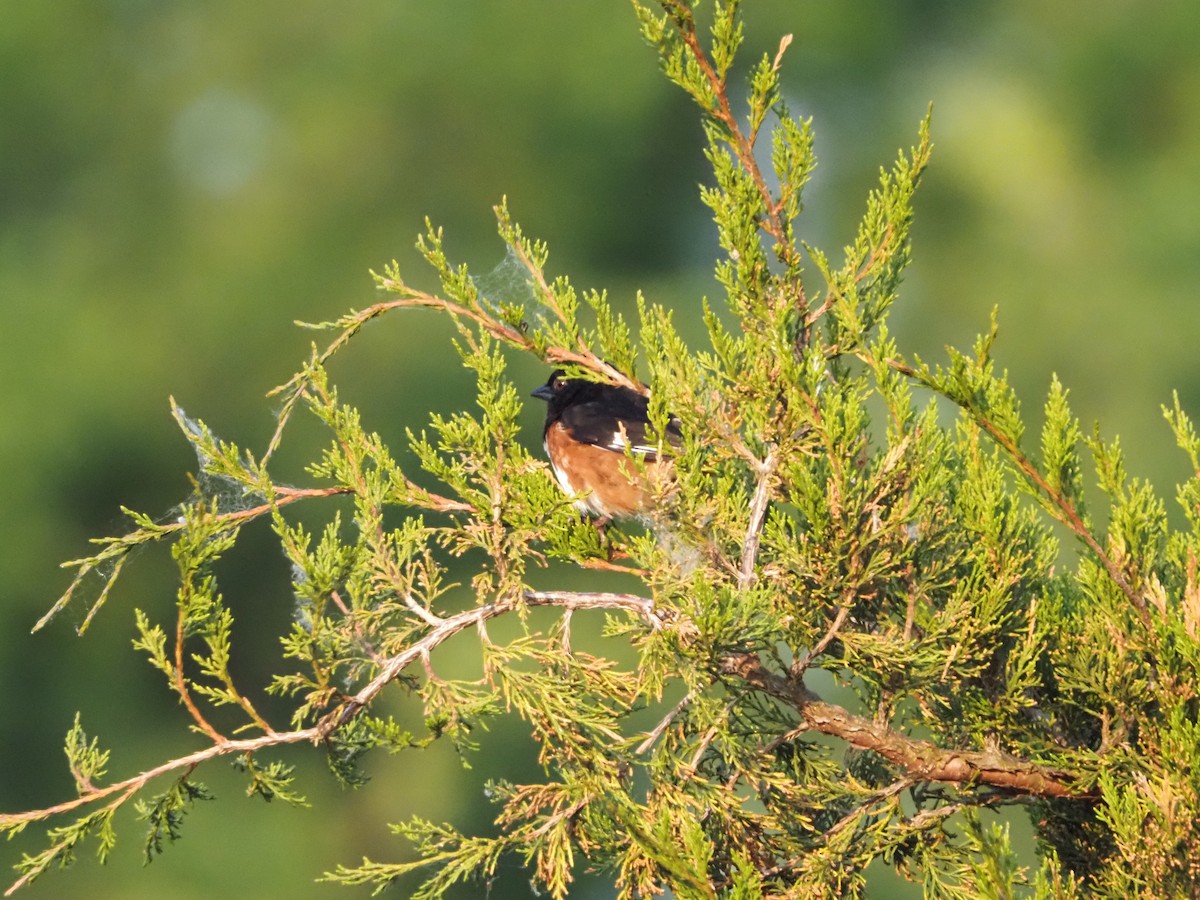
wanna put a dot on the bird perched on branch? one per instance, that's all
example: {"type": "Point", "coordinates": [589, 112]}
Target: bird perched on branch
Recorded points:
{"type": "Point", "coordinates": [592, 431]}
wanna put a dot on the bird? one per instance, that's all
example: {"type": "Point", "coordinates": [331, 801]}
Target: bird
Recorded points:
{"type": "Point", "coordinates": [591, 431]}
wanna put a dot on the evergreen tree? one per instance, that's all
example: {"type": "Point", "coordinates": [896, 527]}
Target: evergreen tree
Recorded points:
{"type": "Point", "coordinates": [870, 609]}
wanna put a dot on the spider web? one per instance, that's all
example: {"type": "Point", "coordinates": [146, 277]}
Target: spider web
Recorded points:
{"type": "Point", "coordinates": [95, 577]}
{"type": "Point", "coordinates": [229, 495]}
{"type": "Point", "coordinates": [509, 284]}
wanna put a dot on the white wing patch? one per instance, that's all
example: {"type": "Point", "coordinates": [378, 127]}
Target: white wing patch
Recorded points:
{"type": "Point", "coordinates": [619, 442]}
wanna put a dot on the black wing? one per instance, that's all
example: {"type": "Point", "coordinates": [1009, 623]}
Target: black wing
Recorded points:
{"type": "Point", "coordinates": [616, 420]}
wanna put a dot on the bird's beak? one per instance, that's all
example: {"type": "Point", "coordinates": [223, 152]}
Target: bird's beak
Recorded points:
{"type": "Point", "coordinates": [543, 393]}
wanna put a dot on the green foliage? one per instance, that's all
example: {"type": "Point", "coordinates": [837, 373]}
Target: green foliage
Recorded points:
{"type": "Point", "coordinates": [85, 759]}
{"type": "Point", "coordinates": [165, 813]}
{"type": "Point", "coordinates": [824, 534]}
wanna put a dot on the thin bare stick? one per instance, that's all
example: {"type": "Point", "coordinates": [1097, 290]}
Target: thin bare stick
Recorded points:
{"type": "Point", "coordinates": [758, 515]}
{"type": "Point", "coordinates": [818, 648]}
{"type": "Point", "coordinates": [572, 600]}
{"type": "Point", "coordinates": [664, 723]}
{"type": "Point", "coordinates": [180, 684]}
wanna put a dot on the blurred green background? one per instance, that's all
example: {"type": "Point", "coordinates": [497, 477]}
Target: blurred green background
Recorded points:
{"type": "Point", "coordinates": [179, 181]}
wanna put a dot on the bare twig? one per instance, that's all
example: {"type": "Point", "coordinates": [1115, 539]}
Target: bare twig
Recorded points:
{"type": "Point", "coordinates": [887, 793]}
{"type": "Point", "coordinates": [573, 600]}
{"type": "Point", "coordinates": [818, 648]}
{"type": "Point", "coordinates": [179, 682]}
{"type": "Point", "coordinates": [664, 723]}
{"type": "Point", "coordinates": [565, 624]}
{"type": "Point", "coordinates": [758, 514]}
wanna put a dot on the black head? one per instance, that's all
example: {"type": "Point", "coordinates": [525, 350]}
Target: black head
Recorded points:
{"type": "Point", "coordinates": [609, 404]}
{"type": "Point", "coordinates": [559, 391]}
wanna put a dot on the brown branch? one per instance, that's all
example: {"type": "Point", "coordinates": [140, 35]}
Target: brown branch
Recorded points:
{"type": "Point", "coordinates": [295, 387]}
{"type": "Point", "coordinates": [877, 254]}
{"type": "Point", "coordinates": [606, 565]}
{"type": "Point", "coordinates": [771, 219]}
{"type": "Point", "coordinates": [283, 496]}
{"type": "Point", "coordinates": [844, 607]}
{"type": "Point", "coordinates": [896, 787]}
{"type": "Point", "coordinates": [117, 548]}
{"type": "Point", "coordinates": [180, 682]}
{"type": "Point", "coordinates": [664, 723]}
{"type": "Point", "coordinates": [298, 384]}
{"type": "Point", "coordinates": [743, 145]}
{"type": "Point", "coordinates": [583, 355]}
{"type": "Point", "coordinates": [919, 759]}
{"type": "Point", "coordinates": [589, 360]}
{"type": "Point", "coordinates": [643, 607]}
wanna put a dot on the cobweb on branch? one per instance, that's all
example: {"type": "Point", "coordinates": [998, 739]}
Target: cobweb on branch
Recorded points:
{"type": "Point", "coordinates": [232, 497]}
{"type": "Point", "coordinates": [212, 485]}
{"type": "Point", "coordinates": [96, 575]}
{"type": "Point", "coordinates": [510, 285]}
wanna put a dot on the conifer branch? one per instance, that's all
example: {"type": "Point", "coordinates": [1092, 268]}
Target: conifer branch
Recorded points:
{"type": "Point", "coordinates": [920, 760]}
{"type": "Point", "coordinates": [180, 681]}
{"type": "Point", "coordinates": [347, 709]}
{"type": "Point", "coordinates": [740, 142]}
{"type": "Point", "coordinates": [473, 618]}
{"type": "Point", "coordinates": [1064, 510]}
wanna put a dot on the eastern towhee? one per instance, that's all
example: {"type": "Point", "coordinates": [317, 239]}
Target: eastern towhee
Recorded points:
{"type": "Point", "coordinates": [591, 429]}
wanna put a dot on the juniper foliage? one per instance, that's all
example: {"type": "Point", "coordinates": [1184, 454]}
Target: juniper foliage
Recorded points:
{"type": "Point", "coordinates": [863, 624]}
